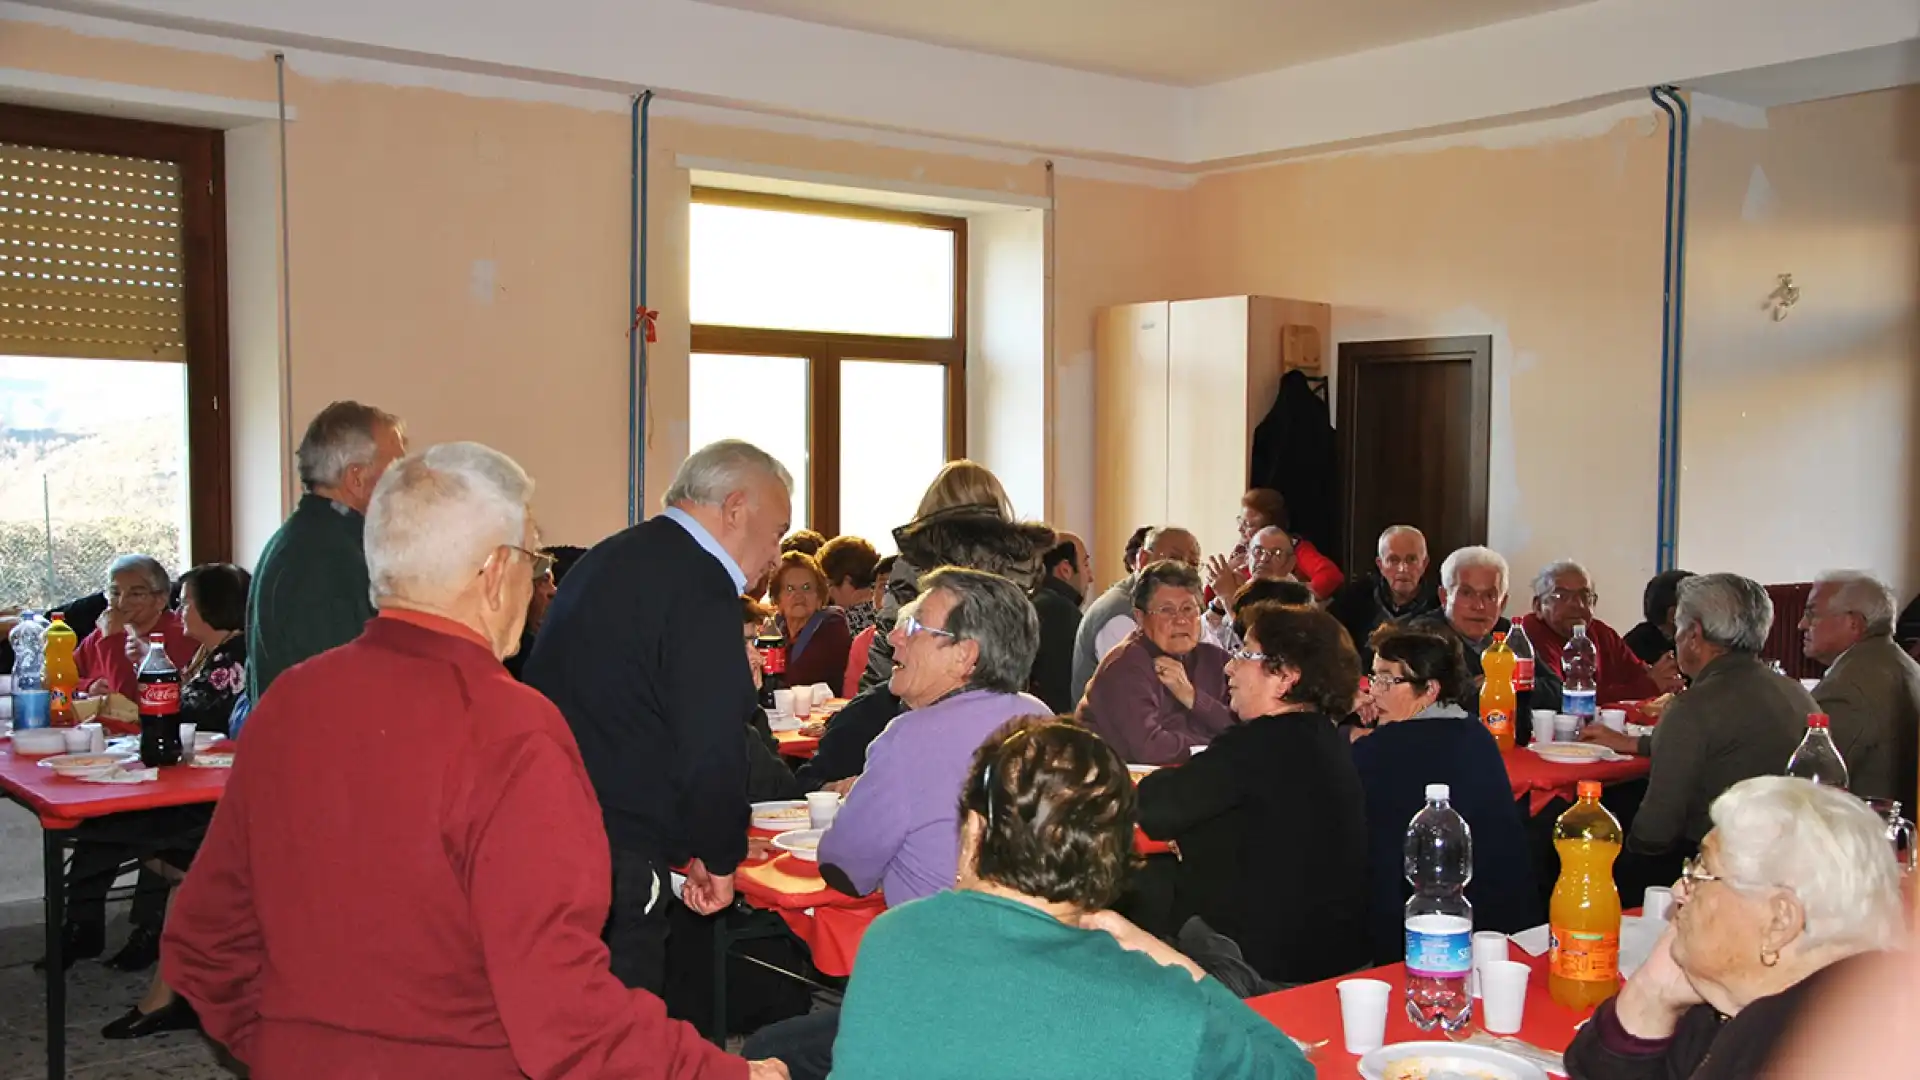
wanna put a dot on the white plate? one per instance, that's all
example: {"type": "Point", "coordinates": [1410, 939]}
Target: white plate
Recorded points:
{"type": "Point", "coordinates": [783, 722]}
{"type": "Point", "coordinates": [801, 843]}
{"type": "Point", "coordinates": [783, 816]}
{"type": "Point", "coordinates": [1141, 772]}
{"type": "Point", "coordinates": [1421, 1060]}
{"type": "Point", "coordinates": [1573, 753]}
{"type": "Point", "coordinates": [86, 764]}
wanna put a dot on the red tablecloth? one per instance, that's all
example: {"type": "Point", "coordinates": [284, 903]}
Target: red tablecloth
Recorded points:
{"type": "Point", "coordinates": [829, 921]}
{"type": "Point", "coordinates": [1311, 1013]}
{"type": "Point", "coordinates": [1543, 781]}
{"type": "Point", "coordinates": [63, 803]}
{"type": "Point", "coordinates": [795, 745]}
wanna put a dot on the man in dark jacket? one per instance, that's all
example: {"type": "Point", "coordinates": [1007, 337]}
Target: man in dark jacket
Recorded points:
{"type": "Point", "coordinates": [1066, 575]}
{"type": "Point", "coordinates": [642, 653]}
{"type": "Point", "coordinates": [1398, 593]}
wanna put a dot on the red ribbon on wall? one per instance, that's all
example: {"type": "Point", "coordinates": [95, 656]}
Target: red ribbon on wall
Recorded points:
{"type": "Point", "coordinates": [650, 317]}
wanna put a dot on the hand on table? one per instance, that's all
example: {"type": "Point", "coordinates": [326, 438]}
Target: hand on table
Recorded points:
{"type": "Point", "coordinates": [839, 787]}
{"type": "Point", "coordinates": [1652, 1002]}
{"type": "Point", "coordinates": [1617, 741]}
{"type": "Point", "coordinates": [99, 688]}
{"type": "Point", "coordinates": [770, 1069]}
{"type": "Point", "coordinates": [1174, 678]}
{"type": "Point", "coordinates": [1666, 675]}
{"type": "Point", "coordinates": [813, 731]}
{"type": "Point", "coordinates": [1134, 939]}
{"type": "Point", "coordinates": [706, 893]}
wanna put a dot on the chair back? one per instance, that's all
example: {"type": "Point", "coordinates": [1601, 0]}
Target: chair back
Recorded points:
{"type": "Point", "coordinates": [857, 661]}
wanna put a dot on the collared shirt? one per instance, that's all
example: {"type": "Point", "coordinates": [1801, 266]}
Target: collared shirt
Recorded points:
{"type": "Point", "coordinates": [706, 541]}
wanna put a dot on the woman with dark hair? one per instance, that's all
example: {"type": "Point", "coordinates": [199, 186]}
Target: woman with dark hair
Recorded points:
{"type": "Point", "coordinates": [1046, 838]}
{"type": "Point", "coordinates": [1653, 638]}
{"type": "Point", "coordinates": [849, 563]}
{"type": "Point", "coordinates": [1270, 822]}
{"type": "Point", "coordinates": [816, 635]}
{"type": "Point", "coordinates": [213, 604]}
{"type": "Point", "coordinates": [1425, 735]}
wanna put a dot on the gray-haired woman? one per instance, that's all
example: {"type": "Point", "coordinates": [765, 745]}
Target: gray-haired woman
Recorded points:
{"type": "Point", "coordinates": [1795, 886]}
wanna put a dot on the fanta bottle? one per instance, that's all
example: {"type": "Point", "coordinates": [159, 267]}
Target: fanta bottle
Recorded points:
{"type": "Point", "coordinates": [1583, 919]}
{"type": "Point", "coordinates": [1497, 698]}
{"type": "Point", "coordinates": [63, 675]}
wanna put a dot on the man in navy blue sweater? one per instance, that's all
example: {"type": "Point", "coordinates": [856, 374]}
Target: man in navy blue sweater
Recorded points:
{"type": "Point", "coordinates": [642, 654]}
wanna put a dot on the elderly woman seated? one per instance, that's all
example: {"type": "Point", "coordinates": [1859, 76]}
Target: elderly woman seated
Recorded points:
{"type": "Point", "coordinates": [1162, 691]}
{"type": "Point", "coordinates": [1795, 887]}
{"type": "Point", "coordinates": [1425, 735]}
{"type": "Point", "coordinates": [1046, 838]}
{"type": "Point", "coordinates": [137, 595]}
{"type": "Point", "coordinates": [816, 635]}
{"type": "Point", "coordinates": [1271, 821]}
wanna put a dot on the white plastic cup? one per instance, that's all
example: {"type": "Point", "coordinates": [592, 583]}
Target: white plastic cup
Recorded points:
{"type": "Point", "coordinates": [822, 807]}
{"type": "Point", "coordinates": [1504, 986]}
{"type": "Point", "coordinates": [1542, 725]}
{"type": "Point", "coordinates": [783, 702]}
{"type": "Point", "coordinates": [77, 740]}
{"type": "Point", "coordinates": [1658, 903]}
{"type": "Point", "coordinates": [1488, 946]}
{"type": "Point", "coordinates": [1566, 728]}
{"type": "Point", "coordinates": [1363, 1013]}
{"type": "Point", "coordinates": [822, 693]}
{"type": "Point", "coordinates": [1615, 719]}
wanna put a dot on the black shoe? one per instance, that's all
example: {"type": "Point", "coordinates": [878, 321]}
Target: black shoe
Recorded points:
{"type": "Point", "coordinates": [141, 951]}
{"type": "Point", "coordinates": [176, 1015]}
{"type": "Point", "coordinates": [77, 943]}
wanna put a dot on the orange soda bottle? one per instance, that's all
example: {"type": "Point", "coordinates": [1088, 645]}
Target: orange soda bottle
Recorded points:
{"type": "Point", "coordinates": [1497, 698]}
{"type": "Point", "coordinates": [1583, 919]}
{"type": "Point", "coordinates": [63, 675]}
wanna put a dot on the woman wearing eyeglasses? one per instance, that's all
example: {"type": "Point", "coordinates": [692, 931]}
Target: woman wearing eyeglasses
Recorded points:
{"type": "Point", "coordinates": [1271, 820]}
{"type": "Point", "coordinates": [817, 636]}
{"type": "Point", "coordinates": [1162, 691]}
{"type": "Point", "coordinates": [1795, 889]}
{"type": "Point", "coordinates": [1046, 836]}
{"type": "Point", "coordinates": [1419, 687]}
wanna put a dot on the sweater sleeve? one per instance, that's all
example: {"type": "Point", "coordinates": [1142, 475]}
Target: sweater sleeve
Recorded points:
{"type": "Point", "coordinates": [869, 829]}
{"type": "Point", "coordinates": [1320, 571]}
{"type": "Point", "coordinates": [1172, 801]}
{"type": "Point", "coordinates": [705, 669]}
{"type": "Point", "coordinates": [1240, 1044]}
{"type": "Point", "coordinates": [1679, 754]}
{"type": "Point", "coordinates": [213, 949]}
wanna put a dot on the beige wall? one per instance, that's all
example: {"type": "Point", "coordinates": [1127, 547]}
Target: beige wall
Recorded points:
{"type": "Point", "coordinates": [1801, 438]}
{"type": "Point", "coordinates": [1551, 248]}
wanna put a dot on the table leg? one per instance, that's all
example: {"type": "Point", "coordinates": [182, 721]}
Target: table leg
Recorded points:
{"type": "Point", "coordinates": [56, 890]}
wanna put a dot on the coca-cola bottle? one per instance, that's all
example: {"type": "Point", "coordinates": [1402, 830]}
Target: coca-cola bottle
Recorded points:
{"type": "Point", "coordinates": [159, 706]}
{"type": "Point", "coordinates": [773, 668]}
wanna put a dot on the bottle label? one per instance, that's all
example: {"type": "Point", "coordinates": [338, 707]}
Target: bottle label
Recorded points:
{"type": "Point", "coordinates": [59, 703]}
{"type": "Point", "coordinates": [159, 699]}
{"type": "Point", "coordinates": [30, 708]}
{"type": "Point", "coordinates": [1498, 722]}
{"type": "Point", "coordinates": [1577, 703]}
{"type": "Point", "coordinates": [1582, 955]}
{"type": "Point", "coordinates": [1439, 946]}
{"type": "Point", "coordinates": [1523, 673]}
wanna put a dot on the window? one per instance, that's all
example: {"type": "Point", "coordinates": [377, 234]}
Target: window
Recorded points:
{"type": "Point", "coordinates": [112, 350]}
{"type": "Point", "coordinates": [833, 336]}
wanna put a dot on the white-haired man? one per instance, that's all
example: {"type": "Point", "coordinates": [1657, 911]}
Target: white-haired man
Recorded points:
{"type": "Point", "coordinates": [407, 874]}
{"type": "Point", "coordinates": [1399, 592]}
{"type": "Point", "coordinates": [1563, 598]}
{"type": "Point", "coordinates": [309, 592]}
{"type": "Point", "coordinates": [641, 652]}
{"type": "Point", "coordinates": [1871, 690]}
{"type": "Point", "coordinates": [1473, 594]}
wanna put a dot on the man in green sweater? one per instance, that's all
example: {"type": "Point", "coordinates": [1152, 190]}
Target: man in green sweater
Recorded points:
{"type": "Point", "coordinates": [310, 590]}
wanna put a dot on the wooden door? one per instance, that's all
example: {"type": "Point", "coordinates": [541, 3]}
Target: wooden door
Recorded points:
{"type": "Point", "coordinates": [1130, 425]}
{"type": "Point", "coordinates": [1414, 424]}
{"type": "Point", "coordinates": [1207, 432]}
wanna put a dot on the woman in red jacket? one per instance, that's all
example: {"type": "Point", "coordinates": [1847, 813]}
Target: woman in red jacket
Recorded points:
{"type": "Point", "coordinates": [1262, 507]}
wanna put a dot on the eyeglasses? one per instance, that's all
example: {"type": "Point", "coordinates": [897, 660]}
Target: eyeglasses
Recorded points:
{"type": "Point", "coordinates": [913, 627]}
{"type": "Point", "coordinates": [1693, 873]}
{"type": "Point", "coordinates": [1475, 596]}
{"type": "Point", "coordinates": [1389, 681]}
{"type": "Point", "coordinates": [1407, 561]}
{"type": "Point", "coordinates": [1248, 656]}
{"type": "Point", "coordinates": [1562, 596]}
{"type": "Point", "coordinates": [113, 593]}
{"type": "Point", "coordinates": [1262, 554]}
{"type": "Point", "coordinates": [1184, 611]}
{"type": "Point", "coordinates": [804, 588]}
{"type": "Point", "coordinates": [541, 562]}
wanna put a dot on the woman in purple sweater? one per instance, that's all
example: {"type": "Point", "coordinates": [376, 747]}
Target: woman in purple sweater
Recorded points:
{"type": "Point", "coordinates": [1162, 691]}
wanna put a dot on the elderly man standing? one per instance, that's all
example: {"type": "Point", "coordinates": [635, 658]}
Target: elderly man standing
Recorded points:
{"type": "Point", "coordinates": [1738, 719]}
{"type": "Point", "coordinates": [414, 884]}
{"type": "Point", "coordinates": [961, 653]}
{"type": "Point", "coordinates": [1871, 691]}
{"type": "Point", "coordinates": [1066, 573]}
{"type": "Point", "coordinates": [1109, 619]}
{"type": "Point", "coordinates": [1563, 598]}
{"type": "Point", "coordinates": [1472, 593]}
{"type": "Point", "coordinates": [641, 652]}
{"type": "Point", "coordinates": [1398, 592]}
{"type": "Point", "coordinates": [310, 590]}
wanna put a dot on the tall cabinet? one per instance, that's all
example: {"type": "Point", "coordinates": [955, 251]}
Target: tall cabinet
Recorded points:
{"type": "Point", "coordinates": [1179, 387]}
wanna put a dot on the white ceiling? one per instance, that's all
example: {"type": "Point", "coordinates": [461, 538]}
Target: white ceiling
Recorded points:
{"type": "Point", "coordinates": [1182, 42]}
{"type": "Point", "coordinates": [1837, 75]}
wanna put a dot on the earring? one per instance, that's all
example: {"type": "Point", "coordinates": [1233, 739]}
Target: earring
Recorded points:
{"type": "Point", "coordinates": [1769, 957]}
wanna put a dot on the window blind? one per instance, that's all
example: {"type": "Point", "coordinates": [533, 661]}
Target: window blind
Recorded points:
{"type": "Point", "coordinates": [90, 256]}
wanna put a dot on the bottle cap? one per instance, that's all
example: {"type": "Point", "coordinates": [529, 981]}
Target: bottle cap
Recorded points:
{"type": "Point", "coordinates": [1438, 793]}
{"type": "Point", "coordinates": [1817, 720]}
{"type": "Point", "coordinates": [1589, 789]}
{"type": "Point", "coordinates": [1499, 635]}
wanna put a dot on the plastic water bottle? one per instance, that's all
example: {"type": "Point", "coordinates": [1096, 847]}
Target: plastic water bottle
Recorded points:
{"type": "Point", "coordinates": [1818, 759]}
{"type": "Point", "coordinates": [1579, 668]}
{"type": "Point", "coordinates": [1439, 863]}
{"type": "Point", "coordinates": [30, 698]}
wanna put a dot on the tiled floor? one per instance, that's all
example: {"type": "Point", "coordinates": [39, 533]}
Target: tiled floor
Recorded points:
{"type": "Point", "coordinates": [95, 995]}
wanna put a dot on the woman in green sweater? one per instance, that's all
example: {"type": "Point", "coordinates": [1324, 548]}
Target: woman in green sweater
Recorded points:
{"type": "Point", "coordinates": [1020, 971]}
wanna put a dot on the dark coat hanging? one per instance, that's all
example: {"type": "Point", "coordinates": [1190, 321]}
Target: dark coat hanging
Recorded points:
{"type": "Point", "coordinates": [1293, 453]}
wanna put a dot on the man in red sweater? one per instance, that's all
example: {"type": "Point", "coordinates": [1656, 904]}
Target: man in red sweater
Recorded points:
{"type": "Point", "coordinates": [408, 874]}
{"type": "Point", "coordinates": [1563, 598]}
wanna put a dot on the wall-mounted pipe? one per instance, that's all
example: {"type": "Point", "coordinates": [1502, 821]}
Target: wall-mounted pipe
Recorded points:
{"type": "Point", "coordinates": [640, 326]}
{"type": "Point", "coordinates": [1672, 319]}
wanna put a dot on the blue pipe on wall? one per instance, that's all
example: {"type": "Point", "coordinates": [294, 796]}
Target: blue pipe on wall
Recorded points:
{"type": "Point", "coordinates": [1666, 330]}
{"type": "Point", "coordinates": [636, 296]}
{"type": "Point", "coordinates": [1672, 319]}
{"type": "Point", "coordinates": [1679, 328]}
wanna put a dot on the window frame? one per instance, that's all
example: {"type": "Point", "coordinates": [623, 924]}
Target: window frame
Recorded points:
{"type": "Point", "coordinates": [824, 350]}
{"type": "Point", "coordinates": [201, 155]}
